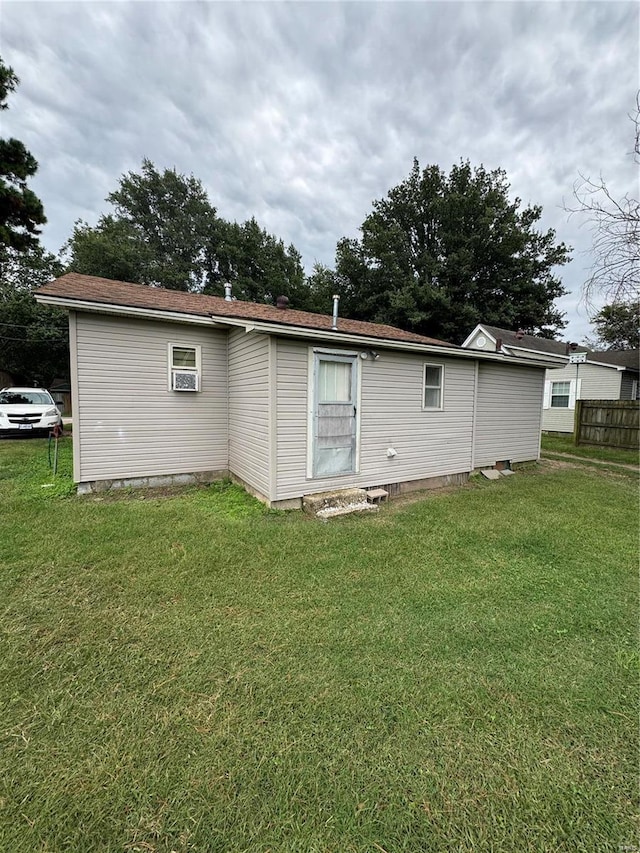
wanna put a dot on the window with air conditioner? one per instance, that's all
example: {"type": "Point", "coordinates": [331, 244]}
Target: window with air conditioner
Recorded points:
{"type": "Point", "coordinates": [184, 367]}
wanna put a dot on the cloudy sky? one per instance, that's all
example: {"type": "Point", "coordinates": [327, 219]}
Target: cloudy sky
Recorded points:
{"type": "Point", "coordinates": [301, 114]}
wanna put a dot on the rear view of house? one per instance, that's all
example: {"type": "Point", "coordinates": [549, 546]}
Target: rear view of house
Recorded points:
{"type": "Point", "coordinates": [187, 386]}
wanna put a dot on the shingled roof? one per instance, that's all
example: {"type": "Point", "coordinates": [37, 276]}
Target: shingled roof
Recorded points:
{"type": "Point", "coordinates": [509, 339]}
{"type": "Point", "coordinates": [104, 291]}
{"type": "Point", "coordinates": [629, 359]}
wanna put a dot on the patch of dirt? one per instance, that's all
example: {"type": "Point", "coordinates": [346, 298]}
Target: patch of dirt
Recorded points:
{"type": "Point", "coordinates": [142, 494]}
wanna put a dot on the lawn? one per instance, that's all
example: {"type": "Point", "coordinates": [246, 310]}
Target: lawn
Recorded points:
{"type": "Point", "coordinates": [193, 672]}
{"type": "Point", "coordinates": [564, 444]}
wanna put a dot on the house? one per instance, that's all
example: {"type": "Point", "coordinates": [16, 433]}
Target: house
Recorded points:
{"type": "Point", "coordinates": [574, 372]}
{"type": "Point", "coordinates": [176, 387]}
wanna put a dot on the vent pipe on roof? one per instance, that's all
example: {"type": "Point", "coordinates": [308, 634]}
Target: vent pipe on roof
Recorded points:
{"type": "Point", "coordinates": [282, 302]}
{"type": "Point", "coordinates": [227, 293]}
{"type": "Point", "coordinates": [336, 299]}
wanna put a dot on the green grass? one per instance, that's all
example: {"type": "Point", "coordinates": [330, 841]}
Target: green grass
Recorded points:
{"type": "Point", "coordinates": [196, 673]}
{"type": "Point", "coordinates": [564, 444]}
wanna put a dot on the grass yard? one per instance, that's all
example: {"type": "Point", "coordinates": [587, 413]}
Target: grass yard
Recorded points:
{"type": "Point", "coordinates": [564, 444]}
{"type": "Point", "coordinates": [196, 673]}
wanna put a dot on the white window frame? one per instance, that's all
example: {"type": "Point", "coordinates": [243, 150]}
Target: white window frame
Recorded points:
{"type": "Point", "coordinates": [566, 382]}
{"type": "Point", "coordinates": [171, 368]}
{"type": "Point", "coordinates": [440, 405]}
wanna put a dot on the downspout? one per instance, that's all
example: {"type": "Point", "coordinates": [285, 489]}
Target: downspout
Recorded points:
{"type": "Point", "coordinates": [475, 415]}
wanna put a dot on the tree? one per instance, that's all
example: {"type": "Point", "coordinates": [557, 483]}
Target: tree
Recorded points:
{"type": "Point", "coordinates": [34, 339]}
{"type": "Point", "coordinates": [441, 253]}
{"type": "Point", "coordinates": [617, 327]}
{"type": "Point", "coordinates": [21, 211]}
{"type": "Point", "coordinates": [321, 285]}
{"type": "Point", "coordinates": [158, 234]}
{"type": "Point", "coordinates": [112, 249]}
{"type": "Point", "coordinates": [164, 231]}
{"type": "Point", "coordinates": [256, 263]}
{"type": "Point", "coordinates": [615, 223]}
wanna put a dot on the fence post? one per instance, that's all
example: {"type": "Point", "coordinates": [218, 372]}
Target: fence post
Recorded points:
{"type": "Point", "coordinates": [577, 420]}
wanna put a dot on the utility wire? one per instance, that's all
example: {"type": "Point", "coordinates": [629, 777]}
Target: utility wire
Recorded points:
{"type": "Point", "coordinates": [30, 340]}
{"type": "Point", "coordinates": [18, 325]}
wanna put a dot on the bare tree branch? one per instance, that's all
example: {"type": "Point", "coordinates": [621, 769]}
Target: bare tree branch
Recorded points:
{"type": "Point", "coordinates": [615, 274]}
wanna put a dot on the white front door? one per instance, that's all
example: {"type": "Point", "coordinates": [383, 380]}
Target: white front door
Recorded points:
{"type": "Point", "coordinates": [334, 414]}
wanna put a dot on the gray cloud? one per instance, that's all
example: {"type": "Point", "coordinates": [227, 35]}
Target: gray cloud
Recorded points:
{"type": "Point", "coordinates": [301, 114]}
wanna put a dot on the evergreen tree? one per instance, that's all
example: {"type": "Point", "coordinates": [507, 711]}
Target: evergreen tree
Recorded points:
{"type": "Point", "coordinates": [21, 212]}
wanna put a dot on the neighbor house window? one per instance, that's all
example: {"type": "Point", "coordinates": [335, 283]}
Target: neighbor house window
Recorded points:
{"type": "Point", "coordinates": [560, 392]}
{"type": "Point", "coordinates": [184, 367]}
{"type": "Point", "coordinates": [433, 381]}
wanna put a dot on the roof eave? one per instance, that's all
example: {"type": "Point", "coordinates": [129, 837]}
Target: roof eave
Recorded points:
{"type": "Point", "coordinates": [380, 343]}
{"type": "Point", "coordinates": [336, 337]}
{"type": "Point", "coordinates": [123, 310]}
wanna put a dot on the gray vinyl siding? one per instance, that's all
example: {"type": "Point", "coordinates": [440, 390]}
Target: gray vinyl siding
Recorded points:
{"type": "Point", "coordinates": [129, 423]}
{"type": "Point", "coordinates": [596, 383]}
{"type": "Point", "coordinates": [428, 443]}
{"type": "Point", "coordinates": [249, 408]}
{"type": "Point", "coordinates": [558, 420]}
{"type": "Point", "coordinates": [508, 415]}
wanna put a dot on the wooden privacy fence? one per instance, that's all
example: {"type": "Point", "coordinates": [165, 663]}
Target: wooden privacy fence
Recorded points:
{"type": "Point", "coordinates": [611, 422]}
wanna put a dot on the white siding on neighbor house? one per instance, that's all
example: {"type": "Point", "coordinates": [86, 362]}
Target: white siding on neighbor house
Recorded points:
{"type": "Point", "coordinates": [128, 422]}
{"type": "Point", "coordinates": [508, 415]}
{"type": "Point", "coordinates": [249, 408]}
{"type": "Point", "coordinates": [588, 382]}
{"type": "Point", "coordinates": [428, 443]}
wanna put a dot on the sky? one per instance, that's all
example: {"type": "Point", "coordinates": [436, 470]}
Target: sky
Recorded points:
{"type": "Point", "coordinates": [302, 114]}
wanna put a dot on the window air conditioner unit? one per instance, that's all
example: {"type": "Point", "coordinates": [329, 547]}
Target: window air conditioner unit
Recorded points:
{"type": "Point", "coordinates": [184, 380]}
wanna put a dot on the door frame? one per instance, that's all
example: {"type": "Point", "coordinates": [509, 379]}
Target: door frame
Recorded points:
{"type": "Point", "coordinates": [311, 398]}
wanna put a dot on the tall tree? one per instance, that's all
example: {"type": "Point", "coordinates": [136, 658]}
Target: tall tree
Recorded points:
{"type": "Point", "coordinates": [157, 235]}
{"type": "Point", "coordinates": [21, 211]}
{"type": "Point", "coordinates": [113, 249]}
{"type": "Point", "coordinates": [257, 264]}
{"type": "Point", "coordinates": [441, 253]}
{"type": "Point", "coordinates": [34, 339]}
{"type": "Point", "coordinates": [164, 231]}
{"type": "Point", "coordinates": [617, 327]}
{"type": "Point", "coordinates": [321, 285]}
{"type": "Point", "coordinates": [615, 225]}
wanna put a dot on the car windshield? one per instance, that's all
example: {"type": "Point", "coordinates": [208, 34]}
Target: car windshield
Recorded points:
{"type": "Point", "coordinates": [24, 398]}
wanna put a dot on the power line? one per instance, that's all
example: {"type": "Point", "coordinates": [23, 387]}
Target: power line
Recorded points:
{"type": "Point", "coordinates": [18, 325]}
{"type": "Point", "coordinates": [32, 340]}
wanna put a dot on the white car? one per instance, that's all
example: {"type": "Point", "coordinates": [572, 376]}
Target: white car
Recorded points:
{"type": "Point", "coordinates": [27, 411]}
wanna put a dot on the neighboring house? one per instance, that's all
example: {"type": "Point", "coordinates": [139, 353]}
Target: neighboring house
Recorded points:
{"type": "Point", "coordinates": [602, 376]}
{"type": "Point", "coordinates": [167, 383]}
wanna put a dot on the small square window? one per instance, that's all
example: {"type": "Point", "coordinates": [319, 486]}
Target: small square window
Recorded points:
{"type": "Point", "coordinates": [184, 367]}
{"type": "Point", "coordinates": [560, 395]}
{"type": "Point", "coordinates": [433, 382]}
